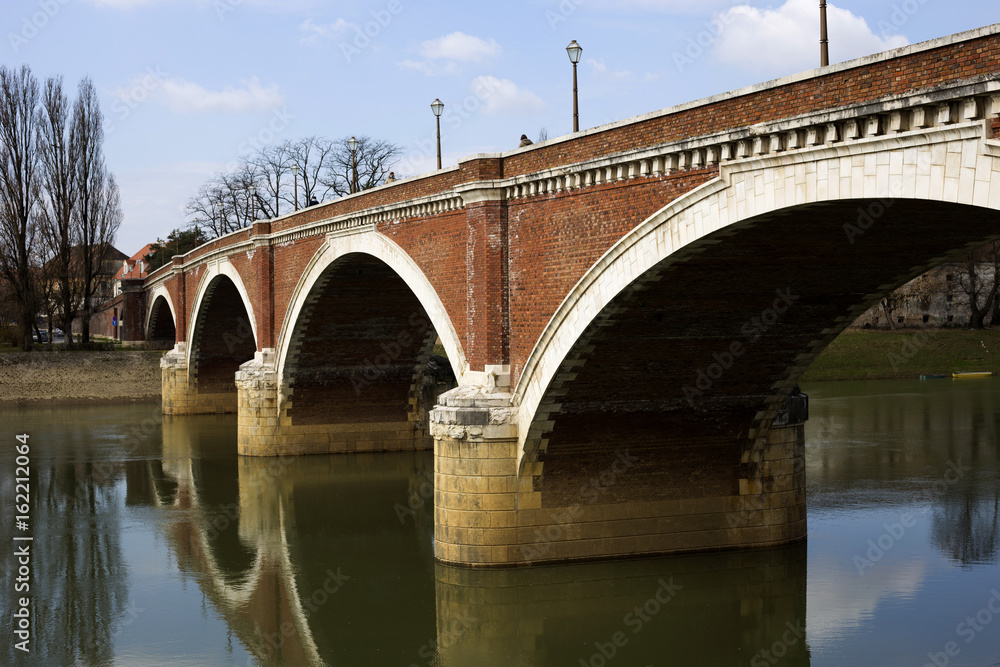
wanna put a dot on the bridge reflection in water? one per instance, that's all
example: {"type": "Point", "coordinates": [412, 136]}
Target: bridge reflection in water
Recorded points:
{"type": "Point", "coordinates": [328, 560]}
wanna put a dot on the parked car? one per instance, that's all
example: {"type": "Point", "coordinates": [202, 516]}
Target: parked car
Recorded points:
{"type": "Point", "coordinates": [42, 336]}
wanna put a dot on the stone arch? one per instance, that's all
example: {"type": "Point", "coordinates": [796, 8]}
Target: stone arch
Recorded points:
{"type": "Point", "coordinates": [956, 164]}
{"type": "Point", "coordinates": [223, 335]}
{"type": "Point", "coordinates": [161, 319]}
{"type": "Point", "coordinates": [354, 357]}
{"type": "Point", "coordinates": [213, 271]}
{"type": "Point", "coordinates": [384, 249]}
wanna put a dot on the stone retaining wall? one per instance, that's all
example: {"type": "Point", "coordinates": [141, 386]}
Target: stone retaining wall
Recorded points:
{"type": "Point", "coordinates": [33, 377]}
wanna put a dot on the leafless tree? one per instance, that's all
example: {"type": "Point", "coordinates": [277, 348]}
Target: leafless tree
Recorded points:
{"type": "Point", "coordinates": [19, 98]}
{"type": "Point", "coordinates": [98, 213]}
{"type": "Point", "coordinates": [313, 168]}
{"type": "Point", "coordinates": [375, 159]}
{"type": "Point", "coordinates": [981, 290]}
{"type": "Point", "coordinates": [314, 158]}
{"type": "Point", "coordinates": [60, 289]}
{"type": "Point", "coordinates": [274, 179]}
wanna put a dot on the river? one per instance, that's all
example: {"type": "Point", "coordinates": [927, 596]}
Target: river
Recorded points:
{"type": "Point", "coordinates": [154, 544]}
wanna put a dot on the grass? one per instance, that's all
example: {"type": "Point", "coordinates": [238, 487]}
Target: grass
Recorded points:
{"type": "Point", "coordinates": [894, 355]}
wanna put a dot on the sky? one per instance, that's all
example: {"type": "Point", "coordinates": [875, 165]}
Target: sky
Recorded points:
{"type": "Point", "coordinates": [188, 86]}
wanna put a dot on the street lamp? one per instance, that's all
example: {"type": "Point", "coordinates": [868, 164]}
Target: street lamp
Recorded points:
{"type": "Point", "coordinates": [352, 143]}
{"type": "Point", "coordinates": [824, 41]}
{"type": "Point", "coordinates": [295, 179]}
{"type": "Point", "coordinates": [437, 107]}
{"type": "Point", "coordinates": [575, 51]}
{"type": "Point", "coordinates": [253, 203]}
{"type": "Point", "coordinates": [219, 201]}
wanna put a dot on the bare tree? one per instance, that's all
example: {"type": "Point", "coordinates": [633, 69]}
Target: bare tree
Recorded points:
{"type": "Point", "coordinates": [19, 97]}
{"type": "Point", "coordinates": [313, 156]}
{"type": "Point", "coordinates": [98, 212]}
{"type": "Point", "coordinates": [981, 291]}
{"type": "Point", "coordinates": [375, 158]}
{"type": "Point", "coordinates": [60, 290]}
{"type": "Point", "coordinates": [313, 168]}
{"type": "Point", "coordinates": [274, 176]}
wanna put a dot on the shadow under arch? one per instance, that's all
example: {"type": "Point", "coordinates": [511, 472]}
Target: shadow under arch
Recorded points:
{"type": "Point", "coordinates": [161, 329]}
{"type": "Point", "coordinates": [355, 358]}
{"type": "Point", "coordinates": [223, 336]}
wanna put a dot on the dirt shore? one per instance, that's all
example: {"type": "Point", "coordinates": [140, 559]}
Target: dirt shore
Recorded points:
{"type": "Point", "coordinates": [79, 377]}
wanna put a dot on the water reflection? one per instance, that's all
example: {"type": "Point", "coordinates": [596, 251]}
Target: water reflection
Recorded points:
{"type": "Point", "coordinates": [727, 609]}
{"type": "Point", "coordinates": [79, 575]}
{"type": "Point", "coordinates": [311, 561]}
{"type": "Point", "coordinates": [329, 559]}
{"type": "Point", "coordinates": [933, 443]}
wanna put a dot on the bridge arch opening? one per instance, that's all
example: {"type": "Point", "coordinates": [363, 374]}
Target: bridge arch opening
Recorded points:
{"type": "Point", "coordinates": [669, 397]}
{"type": "Point", "coordinates": [222, 338]}
{"type": "Point", "coordinates": [161, 329]}
{"type": "Point", "coordinates": [364, 362]}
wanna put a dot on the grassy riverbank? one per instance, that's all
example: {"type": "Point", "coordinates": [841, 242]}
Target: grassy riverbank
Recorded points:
{"type": "Point", "coordinates": [894, 355]}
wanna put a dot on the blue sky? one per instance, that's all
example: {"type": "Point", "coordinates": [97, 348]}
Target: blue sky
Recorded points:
{"type": "Point", "coordinates": [187, 85]}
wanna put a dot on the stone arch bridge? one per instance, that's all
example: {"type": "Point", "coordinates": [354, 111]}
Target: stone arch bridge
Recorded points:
{"type": "Point", "coordinates": [625, 310]}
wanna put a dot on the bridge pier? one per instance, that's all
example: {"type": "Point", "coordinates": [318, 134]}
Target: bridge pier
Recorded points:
{"type": "Point", "coordinates": [489, 511]}
{"type": "Point", "coordinates": [181, 395]}
{"type": "Point", "coordinates": [268, 423]}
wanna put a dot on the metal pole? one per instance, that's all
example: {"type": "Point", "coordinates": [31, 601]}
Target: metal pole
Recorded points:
{"type": "Point", "coordinates": [439, 139]}
{"type": "Point", "coordinates": [295, 179]}
{"type": "Point", "coordinates": [576, 106]}
{"type": "Point", "coordinates": [354, 172]}
{"type": "Point", "coordinates": [824, 41]}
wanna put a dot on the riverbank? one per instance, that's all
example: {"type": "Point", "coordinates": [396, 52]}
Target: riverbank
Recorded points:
{"type": "Point", "coordinates": [906, 354]}
{"type": "Point", "coordinates": [28, 378]}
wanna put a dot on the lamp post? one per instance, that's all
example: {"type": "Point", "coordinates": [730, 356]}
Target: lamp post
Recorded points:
{"type": "Point", "coordinates": [824, 40]}
{"type": "Point", "coordinates": [575, 51]}
{"type": "Point", "coordinates": [253, 203]}
{"type": "Point", "coordinates": [352, 143]}
{"type": "Point", "coordinates": [295, 180]}
{"type": "Point", "coordinates": [219, 202]}
{"type": "Point", "coordinates": [197, 233]}
{"type": "Point", "coordinates": [437, 107]}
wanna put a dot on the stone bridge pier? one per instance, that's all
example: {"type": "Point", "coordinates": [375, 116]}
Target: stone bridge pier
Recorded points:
{"type": "Point", "coordinates": [492, 507]}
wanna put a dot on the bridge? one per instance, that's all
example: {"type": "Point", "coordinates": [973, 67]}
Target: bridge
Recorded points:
{"type": "Point", "coordinates": [626, 310]}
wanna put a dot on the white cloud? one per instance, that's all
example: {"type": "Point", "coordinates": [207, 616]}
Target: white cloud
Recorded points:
{"type": "Point", "coordinates": [182, 96]}
{"type": "Point", "coordinates": [445, 54]}
{"type": "Point", "coordinates": [121, 4]}
{"type": "Point", "coordinates": [313, 33]}
{"type": "Point", "coordinates": [786, 39]}
{"type": "Point", "coordinates": [503, 96]}
{"type": "Point", "coordinates": [460, 47]}
{"type": "Point", "coordinates": [698, 7]}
